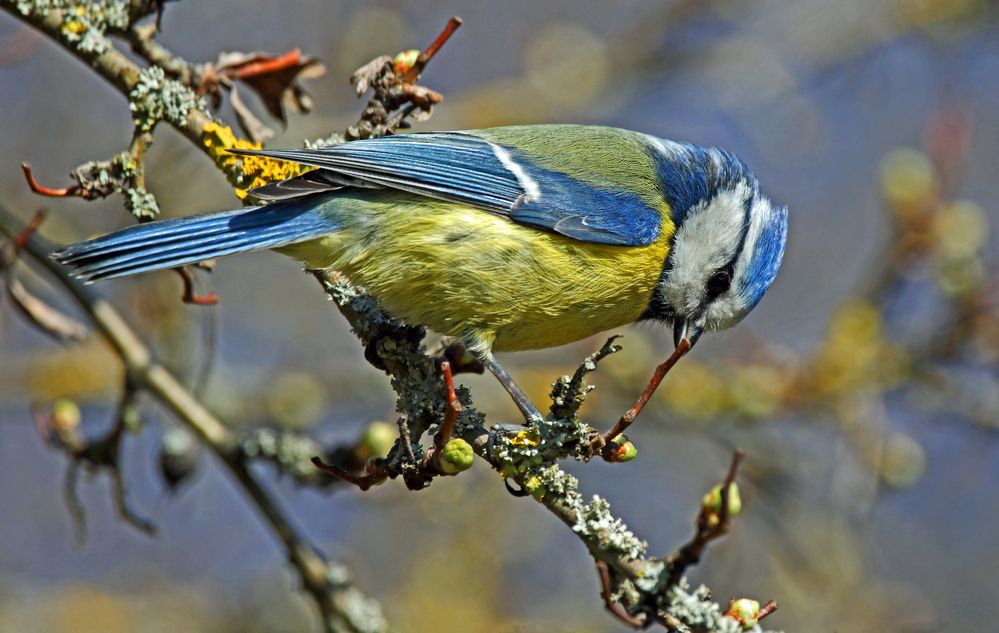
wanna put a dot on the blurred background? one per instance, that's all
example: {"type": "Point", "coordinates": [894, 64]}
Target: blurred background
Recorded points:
{"type": "Point", "coordinates": [864, 388]}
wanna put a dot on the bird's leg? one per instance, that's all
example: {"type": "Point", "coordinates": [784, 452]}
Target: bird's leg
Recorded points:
{"type": "Point", "coordinates": [523, 403]}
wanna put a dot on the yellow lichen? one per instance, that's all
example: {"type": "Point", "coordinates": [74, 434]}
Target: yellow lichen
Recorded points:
{"type": "Point", "coordinates": [256, 170]}
{"type": "Point", "coordinates": [525, 438]}
{"type": "Point", "coordinates": [73, 27]}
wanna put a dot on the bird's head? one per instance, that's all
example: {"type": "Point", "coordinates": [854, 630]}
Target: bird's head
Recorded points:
{"type": "Point", "coordinates": [728, 243]}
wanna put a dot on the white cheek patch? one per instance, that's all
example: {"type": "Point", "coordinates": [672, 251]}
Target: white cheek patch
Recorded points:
{"type": "Point", "coordinates": [705, 242]}
{"type": "Point", "coordinates": [729, 309]}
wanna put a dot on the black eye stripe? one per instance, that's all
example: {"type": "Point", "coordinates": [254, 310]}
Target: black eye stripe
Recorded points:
{"type": "Point", "coordinates": [718, 283]}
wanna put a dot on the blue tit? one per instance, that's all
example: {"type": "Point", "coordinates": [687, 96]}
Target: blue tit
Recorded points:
{"type": "Point", "coordinates": [508, 238]}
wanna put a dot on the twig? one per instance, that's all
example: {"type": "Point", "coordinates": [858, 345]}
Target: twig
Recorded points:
{"type": "Point", "coordinates": [157, 380]}
{"type": "Point", "coordinates": [567, 395]}
{"type": "Point", "coordinates": [140, 37]}
{"type": "Point", "coordinates": [708, 530]}
{"type": "Point", "coordinates": [363, 482]}
{"type": "Point", "coordinates": [189, 295]}
{"type": "Point", "coordinates": [767, 609]}
{"type": "Point", "coordinates": [49, 192]}
{"type": "Point", "coordinates": [428, 53]}
{"type": "Point", "coordinates": [615, 609]}
{"type": "Point", "coordinates": [629, 416]}
{"type": "Point", "coordinates": [452, 411]}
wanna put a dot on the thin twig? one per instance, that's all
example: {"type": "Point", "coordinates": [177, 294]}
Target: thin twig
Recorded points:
{"type": "Point", "coordinates": [452, 411]}
{"type": "Point", "coordinates": [428, 53]}
{"type": "Point", "coordinates": [615, 609]}
{"type": "Point", "coordinates": [629, 416]}
{"type": "Point", "coordinates": [157, 380]}
{"type": "Point", "coordinates": [708, 530]}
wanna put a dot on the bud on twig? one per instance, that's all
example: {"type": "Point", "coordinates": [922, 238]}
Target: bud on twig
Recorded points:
{"type": "Point", "coordinates": [620, 449]}
{"type": "Point", "coordinates": [745, 611]}
{"type": "Point", "coordinates": [456, 456]}
{"type": "Point", "coordinates": [711, 504]}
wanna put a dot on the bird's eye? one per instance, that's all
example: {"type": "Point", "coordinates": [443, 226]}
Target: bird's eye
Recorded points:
{"type": "Point", "coordinates": [719, 283]}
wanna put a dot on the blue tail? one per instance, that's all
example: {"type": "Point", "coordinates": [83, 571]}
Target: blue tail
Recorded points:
{"type": "Point", "coordinates": [171, 243]}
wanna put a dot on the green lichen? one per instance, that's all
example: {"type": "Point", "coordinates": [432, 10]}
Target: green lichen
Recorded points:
{"type": "Point", "coordinates": [84, 24]}
{"type": "Point", "coordinates": [540, 442]}
{"type": "Point", "coordinates": [123, 175]}
{"type": "Point", "coordinates": [141, 203]}
{"type": "Point", "coordinates": [293, 453]}
{"type": "Point", "coordinates": [156, 98]}
{"type": "Point", "coordinates": [596, 522]}
{"type": "Point", "coordinates": [697, 610]}
{"type": "Point", "coordinates": [336, 138]}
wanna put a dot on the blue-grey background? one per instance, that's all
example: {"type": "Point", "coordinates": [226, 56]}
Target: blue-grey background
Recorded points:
{"type": "Point", "coordinates": [812, 94]}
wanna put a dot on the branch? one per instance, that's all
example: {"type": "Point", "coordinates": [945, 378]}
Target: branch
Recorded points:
{"type": "Point", "coordinates": [640, 585]}
{"type": "Point", "coordinates": [98, 53]}
{"type": "Point", "coordinates": [341, 604]}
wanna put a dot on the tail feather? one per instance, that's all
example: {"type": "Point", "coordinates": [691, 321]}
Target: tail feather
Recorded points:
{"type": "Point", "coordinates": [172, 243]}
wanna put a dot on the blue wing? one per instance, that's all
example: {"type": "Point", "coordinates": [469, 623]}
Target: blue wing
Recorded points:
{"type": "Point", "coordinates": [468, 169]}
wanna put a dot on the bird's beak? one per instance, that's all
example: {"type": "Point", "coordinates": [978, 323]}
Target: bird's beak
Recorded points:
{"type": "Point", "coordinates": [686, 329]}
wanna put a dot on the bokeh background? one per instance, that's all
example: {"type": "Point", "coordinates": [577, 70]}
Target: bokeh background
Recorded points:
{"type": "Point", "coordinates": [864, 387]}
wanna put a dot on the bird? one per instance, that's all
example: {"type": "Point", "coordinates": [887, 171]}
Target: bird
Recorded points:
{"type": "Point", "coordinates": [507, 238]}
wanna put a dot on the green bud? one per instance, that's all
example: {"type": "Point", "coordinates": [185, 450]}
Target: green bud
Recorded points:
{"type": "Point", "coordinates": [65, 416]}
{"type": "Point", "coordinates": [745, 611]}
{"type": "Point", "coordinates": [456, 456]}
{"type": "Point", "coordinates": [712, 502]}
{"type": "Point", "coordinates": [405, 60]}
{"type": "Point", "coordinates": [621, 449]}
{"type": "Point", "coordinates": [378, 438]}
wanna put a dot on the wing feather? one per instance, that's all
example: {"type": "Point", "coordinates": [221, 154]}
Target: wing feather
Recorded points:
{"type": "Point", "coordinates": [472, 170]}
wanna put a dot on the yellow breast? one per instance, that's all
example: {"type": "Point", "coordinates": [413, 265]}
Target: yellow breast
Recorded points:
{"type": "Point", "coordinates": [496, 284]}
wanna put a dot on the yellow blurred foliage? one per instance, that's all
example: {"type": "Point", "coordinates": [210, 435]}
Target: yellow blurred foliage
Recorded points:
{"type": "Point", "coordinates": [698, 391]}
{"type": "Point", "coordinates": [87, 609]}
{"type": "Point", "coordinates": [566, 63]}
{"type": "Point", "coordinates": [928, 12]}
{"type": "Point", "coordinates": [908, 180]}
{"type": "Point", "coordinates": [902, 461]}
{"type": "Point", "coordinates": [80, 373]}
{"type": "Point", "coordinates": [961, 229]}
{"type": "Point", "coordinates": [854, 354]}
{"type": "Point", "coordinates": [296, 399]}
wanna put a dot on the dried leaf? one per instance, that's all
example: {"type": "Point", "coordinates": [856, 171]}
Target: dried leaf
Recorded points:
{"type": "Point", "coordinates": [275, 78]}
{"type": "Point", "coordinates": [253, 126]}
{"type": "Point", "coordinates": [46, 318]}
